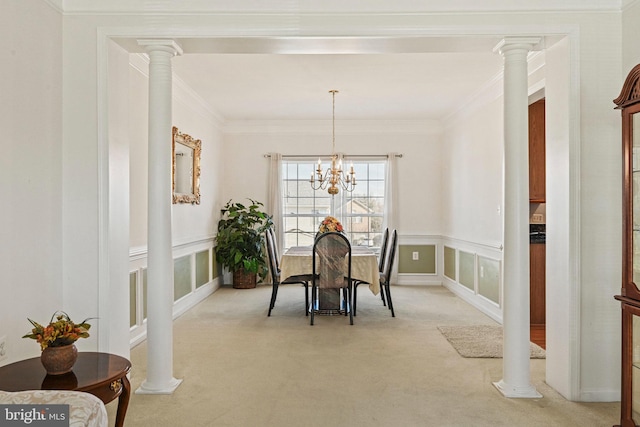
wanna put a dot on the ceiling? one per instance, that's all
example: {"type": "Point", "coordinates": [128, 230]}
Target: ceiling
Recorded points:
{"type": "Point", "coordinates": [403, 86]}
{"type": "Point", "coordinates": [274, 78]}
{"type": "Point", "coordinates": [383, 78]}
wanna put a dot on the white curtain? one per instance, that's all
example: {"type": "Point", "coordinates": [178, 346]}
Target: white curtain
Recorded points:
{"type": "Point", "coordinates": [274, 196]}
{"type": "Point", "coordinates": [391, 192]}
{"type": "Point", "coordinates": [391, 200]}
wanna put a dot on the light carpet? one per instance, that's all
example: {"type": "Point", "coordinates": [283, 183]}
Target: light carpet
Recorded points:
{"type": "Point", "coordinates": [481, 341]}
{"type": "Point", "coordinates": [241, 368]}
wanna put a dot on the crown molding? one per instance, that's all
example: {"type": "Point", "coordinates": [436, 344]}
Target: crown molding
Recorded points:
{"type": "Point", "coordinates": [183, 92]}
{"type": "Point", "coordinates": [344, 127]}
{"type": "Point", "coordinates": [334, 7]}
{"type": "Point", "coordinates": [490, 91]}
{"type": "Point", "coordinates": [190, 97]}
{"type": "Point", "coordinates": [55, 5]}
{"type": "Point", "coordinates": [486, 93]}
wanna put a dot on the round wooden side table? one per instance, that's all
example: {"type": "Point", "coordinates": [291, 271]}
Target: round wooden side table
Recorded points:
{"type": "Point", "coordinates": [102, 374]}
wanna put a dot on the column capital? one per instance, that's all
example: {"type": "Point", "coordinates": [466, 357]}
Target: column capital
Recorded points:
{"type": "Point", "coordinates": [166, 45]}
{"type": "Point", "coordinates": [509, 43]}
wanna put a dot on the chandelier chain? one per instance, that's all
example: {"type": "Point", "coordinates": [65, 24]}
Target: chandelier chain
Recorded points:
{"type": "Point", "coordinates": [333, 129]}
{"type": "Point", "coordinates": [334, 177]}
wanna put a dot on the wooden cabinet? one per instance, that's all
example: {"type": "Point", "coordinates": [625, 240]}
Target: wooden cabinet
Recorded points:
{"type": "Point", "coordinates": [537, 294]}
{"type": "Point", "coordinates": [537, 194]}
{"type": "Point", "coordinates": [629, 103]}
{"type": "Point", "coordinates": [537, 152]}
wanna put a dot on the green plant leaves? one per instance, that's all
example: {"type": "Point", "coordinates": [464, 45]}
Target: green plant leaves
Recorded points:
{"type": "Point", "coordinates": [240, 239]}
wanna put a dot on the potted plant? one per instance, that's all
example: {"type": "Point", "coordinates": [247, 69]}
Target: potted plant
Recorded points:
{"type": "Point", "coordinates": [56, 340]}
{"type": "Point", "coordinates": [240, 244]}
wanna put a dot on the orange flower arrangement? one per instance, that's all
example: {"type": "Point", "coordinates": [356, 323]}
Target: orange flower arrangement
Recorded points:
{"type": "Point", "coordinates": [63, 331]}
{"type": "Point", "coordinates": [330, 224]}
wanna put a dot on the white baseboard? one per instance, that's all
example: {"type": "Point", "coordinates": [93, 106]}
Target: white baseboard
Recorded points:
{"type": "Point", "coordinates": [188, 301]}
{"type": "Point", "coordinates": [138, 334]}
{"type": "Point", "coordinates": [484, 305]}
{"type": "Point", "coordinates": [418, 279]}
{"type": "Point", "coordinates": [600, 395]}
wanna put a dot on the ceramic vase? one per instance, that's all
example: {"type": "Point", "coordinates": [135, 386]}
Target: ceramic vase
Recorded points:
{"type": "Point", "coordinates": [59, 360]}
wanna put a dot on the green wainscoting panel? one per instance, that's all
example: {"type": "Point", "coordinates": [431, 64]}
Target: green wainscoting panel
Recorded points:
{"type": "Point", "coordinates": [181, 277]}
{"type": "Point", "coordinates": [214, 264]}
{"type": "Point", "coordinates": [425, 264]}
{"type": "Point", "coordinates": [202, 268]}
{"type": "Point", "coordinates": [489, 278]}
{"type": "Point", "coordinates": [467, 269]}
{"type": "Point", "coordinates": [450, 262]}
{"type": "Point", "coordinates": [144, 293]}
{"type": "Point", "coordinates": [133, 298]}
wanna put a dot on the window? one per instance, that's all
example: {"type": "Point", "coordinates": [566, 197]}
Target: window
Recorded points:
{"type": "Point", "coordinates": [361, 211]}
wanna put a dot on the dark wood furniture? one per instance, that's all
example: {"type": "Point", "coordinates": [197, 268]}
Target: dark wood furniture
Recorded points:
{"type": "Point", "coordinates": [537, 170]}
{"type": "Point", "coordinates": [537, 195]}
{"type": "Point", "coordinates": [101, 374]}
{"type": "Point", "coordinates": [537, 291]}
{"type": "Point", "coordinates": [538, 335]}
{"type": "Point", "coordinates": [629, 103]}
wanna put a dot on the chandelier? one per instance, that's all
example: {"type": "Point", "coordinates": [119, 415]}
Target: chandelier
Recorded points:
{"type": "Point", "coordinates": [334, 177]}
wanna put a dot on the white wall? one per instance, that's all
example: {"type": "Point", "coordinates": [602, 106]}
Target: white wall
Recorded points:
{"type": "Point", "coordinates": [630, 37]}
{"type": "Point", "coordinates": [191, 116]}
{"type": "Point", "coordinates": [82, 172]}
{"type": "Point", "coordinates": [138, 97]}
{"type": "Point", "coordinates": [600, 206]}
{"type": "Point", "coordinates": [472, 175]}
{"type": "Point", "coordinates": [246, 169]}
{"type": "Point", "coordinates": [562, 170]}
{"type": "Point", "coordinates": [113, 292]}
{"type": "Point", "coordinates": [192, 224]}
{"type": "Point", "coordinates": [31, 280]}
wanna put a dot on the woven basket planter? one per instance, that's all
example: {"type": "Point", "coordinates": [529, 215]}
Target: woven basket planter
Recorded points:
{"type": "Point", "coordinates": [243, 280]}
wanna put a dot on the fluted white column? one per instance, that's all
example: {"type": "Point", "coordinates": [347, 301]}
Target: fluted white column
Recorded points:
{"type": "Point", "coordinates": [516, 375]}
{"type": "Point", "coordinates": [160, 378]}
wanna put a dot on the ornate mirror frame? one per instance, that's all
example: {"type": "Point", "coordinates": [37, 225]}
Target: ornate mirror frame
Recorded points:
{"type": "Point", "coordinates": [185, 173]}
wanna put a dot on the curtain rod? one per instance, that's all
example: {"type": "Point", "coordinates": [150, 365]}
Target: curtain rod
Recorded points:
{"type": "Point", "coordinates": [315, 156]}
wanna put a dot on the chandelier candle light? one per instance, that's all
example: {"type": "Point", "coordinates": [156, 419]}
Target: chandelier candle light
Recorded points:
{"type": "Point", "coordinates": [334, 177]}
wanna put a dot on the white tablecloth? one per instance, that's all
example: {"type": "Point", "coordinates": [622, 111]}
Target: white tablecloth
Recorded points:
{"type": "Point", "coordinates": [364, 264]}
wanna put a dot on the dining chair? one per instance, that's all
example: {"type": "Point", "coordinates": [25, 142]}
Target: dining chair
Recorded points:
{"type": "Point", "coordinates": [383, 249]}
{"type": "Point", "coordinates": [274, 267]}
{"type": "Point", "coordinates": [272, 231]}
{"type": "Point", "coordinates": [332, 269]}
{"type": "Point", "coordinates": [383, 253]}
{"type": "Point", "coordinates": [385, 275]}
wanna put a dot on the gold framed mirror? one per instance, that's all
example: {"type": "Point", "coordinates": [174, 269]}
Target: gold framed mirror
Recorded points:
{"type": "Point", "coordinates": [185, 168]}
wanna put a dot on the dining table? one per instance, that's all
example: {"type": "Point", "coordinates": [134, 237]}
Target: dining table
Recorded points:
{"type": "Point", "coordinates": [298, 260]}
